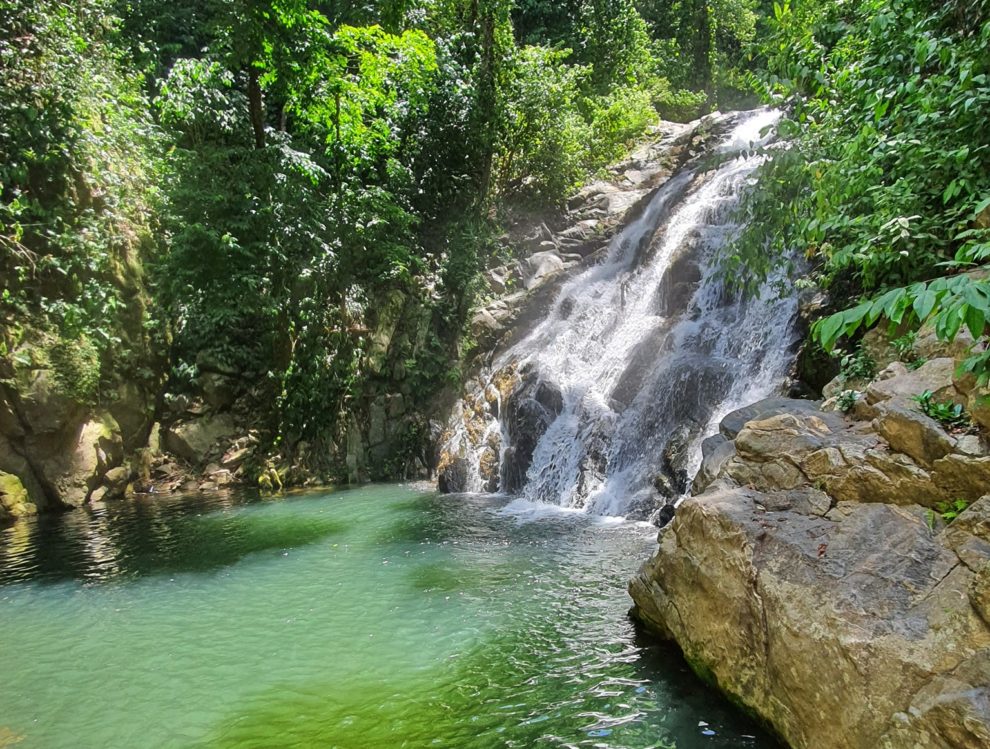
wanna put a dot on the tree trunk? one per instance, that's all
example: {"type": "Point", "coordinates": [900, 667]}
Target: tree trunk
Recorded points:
{"type": "Point", "coordinates": [257, 108]}
{"type": "Point", "coordinates": [487, 93]}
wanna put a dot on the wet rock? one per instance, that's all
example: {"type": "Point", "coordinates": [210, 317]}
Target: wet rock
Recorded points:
{"type": "Point", "coordinates": [453, 470]}
{"type": "Point", "coordinates": [716, 451]}
{"type": "Point", "coordinates": [664, 515]}
{"type": "Point", "coordinates": [528, 413]}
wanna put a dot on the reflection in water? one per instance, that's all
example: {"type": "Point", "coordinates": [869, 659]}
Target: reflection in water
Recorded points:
{"type": "Point", "coordinates": [379, 617]}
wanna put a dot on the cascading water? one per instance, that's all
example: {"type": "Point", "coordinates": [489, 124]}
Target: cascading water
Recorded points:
{"type": "Point", "coordinates": [604, 403]}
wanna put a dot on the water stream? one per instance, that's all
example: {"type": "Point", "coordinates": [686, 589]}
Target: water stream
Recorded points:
{"type": "Point", "coordinates": [640, 355]}
{"type": "Point", "coordinates": [383, 617]}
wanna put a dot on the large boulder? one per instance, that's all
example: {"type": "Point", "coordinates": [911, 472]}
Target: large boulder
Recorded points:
{"type": "Point", "coordinates": [897, 381]}
{"type": "Point", "coordinates": [66, 467]}
{"type": "Point", "coordinates": [733, 423]}
{"type": "Point", "coordinates": [815, 579]}
{"type": "Point", "coordinates": [193, 440]}
{"type": "Point", "coordinates": [847, 630]}
{"type": "Point", "coordinates": [909, 431]}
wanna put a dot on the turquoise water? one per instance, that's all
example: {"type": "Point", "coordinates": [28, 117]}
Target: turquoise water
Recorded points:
{"type": "Point", "coordinates": [386, 616]}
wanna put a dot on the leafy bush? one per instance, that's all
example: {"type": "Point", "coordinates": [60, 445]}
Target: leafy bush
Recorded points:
{"type": "Point", "coordinates": [951, 415]}
{"type": "Point", "coordinates": [80, 161]}
{"type": "Point", "coordinates": [846, 400]}
{"type": "Point", "coordinates": [885, 186]}
{"type": "Point", "coordinates": [857, 365]}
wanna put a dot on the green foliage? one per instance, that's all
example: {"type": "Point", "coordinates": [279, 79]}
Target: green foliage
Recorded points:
{"type": "Point", "coordinates": [948, 511]}
{"type": "Point", "coordinates": [76, 364]}
{"type": "Point", "coordinates": [79, 162]}
{"type": "Point", "coordinates": [846, 400]}
{"type": "Point", "coordinates": [886, 182]}
{"type": "Point", "coordinates": [706, 44]}
{"type": "Point", "coordinates": [545, 148]}
{"type": "Point", "coordinates": [857, 365]}
{"type": "Point", "coordinates": [311, 186]}
{"type": "Point", "coordinates": [904, 346]}
{"type": "Point", "coordinates": [950, 415]}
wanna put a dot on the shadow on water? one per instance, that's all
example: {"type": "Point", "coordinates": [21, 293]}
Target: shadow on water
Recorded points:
{"type": "Point", "coordinates": [165, 536]}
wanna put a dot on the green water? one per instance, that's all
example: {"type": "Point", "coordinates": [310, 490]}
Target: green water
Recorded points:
{"type": "Point", "coordinates": [386, 616]}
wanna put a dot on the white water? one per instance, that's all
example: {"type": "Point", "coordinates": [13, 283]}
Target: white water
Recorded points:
{"type": "Point", "coordinates": [639, 368]}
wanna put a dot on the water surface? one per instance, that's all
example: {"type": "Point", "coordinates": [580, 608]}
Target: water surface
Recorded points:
{"type": "Point", "coordinates": [386, 616]}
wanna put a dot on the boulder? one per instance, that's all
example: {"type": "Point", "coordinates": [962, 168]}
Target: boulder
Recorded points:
{"type": "Point", "coordinates": [219, 390]}
{"type": "Point", "coordinates": [897, 381]}
{"type": "Point", "coordinates": [813, 579]}
{"type": "Point", "coordinates": [14, 500]}
{"type": "Point", "coordinates": [927, 344]}
{"type": "Point", "coordinates": [978, 405]}
{"type": "Point", "coordinates": [193, 440]}
{"type": "Point", "coordinates": [92, 451]}
{"type": "Point", "coordinates": [962, 476]}
{"type": "Point", "coordinates": [832, 628]}
{"type": "Point", "coordinates": [716, 451]}
{"type": "Point", "coordinates": [909, 431]}
{"type": "Point", "coordinates": [876, 345]}
{"type": "Point", "coordinates": [733, 423]}
{"type": "Point", "coordinates": [539, 266]}
{"type": "Point", "coordinates": [43, 405]}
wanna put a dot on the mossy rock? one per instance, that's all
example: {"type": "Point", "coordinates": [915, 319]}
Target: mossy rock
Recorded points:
{"type": "Point", "coordinates": [14, 500]}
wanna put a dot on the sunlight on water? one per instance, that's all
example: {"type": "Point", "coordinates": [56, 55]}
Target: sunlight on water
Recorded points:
{"type": "Point", "coordinates": [380, 617]}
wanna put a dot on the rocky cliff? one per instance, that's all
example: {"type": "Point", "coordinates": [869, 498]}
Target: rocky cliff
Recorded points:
{"type": "Point", "coordinates": [831, 572]}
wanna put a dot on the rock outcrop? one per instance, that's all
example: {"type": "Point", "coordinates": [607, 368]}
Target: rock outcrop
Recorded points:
{"type": "Point", "coordinates": [814, 579]}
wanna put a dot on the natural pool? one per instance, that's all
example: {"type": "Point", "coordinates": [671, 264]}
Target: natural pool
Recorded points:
{"type": "Point", "coordinates": [387, 616]}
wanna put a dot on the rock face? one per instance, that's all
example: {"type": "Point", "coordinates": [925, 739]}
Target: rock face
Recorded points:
{"type": "Point", "coordinates": [193, 440]}
{"type": "Point", "coordinates": [810, 580]}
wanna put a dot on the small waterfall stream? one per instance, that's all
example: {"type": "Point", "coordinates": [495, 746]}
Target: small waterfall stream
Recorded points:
{"type": "Point", "coordinates": [603, 405]}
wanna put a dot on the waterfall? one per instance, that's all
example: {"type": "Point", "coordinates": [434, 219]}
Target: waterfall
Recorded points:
{"type": "Point", "coordinates": [603, 405]}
